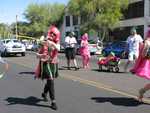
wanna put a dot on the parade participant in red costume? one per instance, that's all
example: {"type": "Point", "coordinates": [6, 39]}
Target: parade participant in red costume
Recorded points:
{"type": "Point", "coordinates": [48, 66]}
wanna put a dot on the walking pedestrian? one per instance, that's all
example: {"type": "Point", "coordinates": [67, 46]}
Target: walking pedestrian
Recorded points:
{"type": "Point", "coordinates": [70, 50]}
{"type": "Point", "coordinates": [133, 43]}
{"type": "Point", "coordinates": [6, 66]}
{"type": "Point", "coordinates": [142, 65]}
{"type": "Point", "coordinates": [48, 66]}
{"type": "Point", "coordinates": [84, 51]}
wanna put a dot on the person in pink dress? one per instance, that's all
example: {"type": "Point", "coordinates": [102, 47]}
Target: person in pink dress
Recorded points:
{"type": "Point", "coordinates": [84, 51]}
{"type": "Point", "coordinates": [142, 65]}
{"type": "Point", "coordinates": [48, 65]}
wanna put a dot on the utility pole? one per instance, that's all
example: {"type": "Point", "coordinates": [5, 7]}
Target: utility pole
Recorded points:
{"type": "Point", "coordinates": [16, 28]}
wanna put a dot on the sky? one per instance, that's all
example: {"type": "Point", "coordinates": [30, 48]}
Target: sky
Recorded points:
{"type": "Point", "coordinates": [10, 8]}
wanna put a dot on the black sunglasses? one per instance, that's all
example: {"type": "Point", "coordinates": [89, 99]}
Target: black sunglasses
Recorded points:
{"type": "Point", "coordinates": [52, 34]}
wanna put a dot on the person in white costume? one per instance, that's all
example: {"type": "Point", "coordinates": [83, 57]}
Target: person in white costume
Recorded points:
{"type": "Point", "coordinates": [133, 43]}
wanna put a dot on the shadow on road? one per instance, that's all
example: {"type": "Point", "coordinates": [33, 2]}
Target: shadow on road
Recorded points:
{"type": "Point", "coordinates": [106, 71]}
{"type": "Point", "coordinates": [120, 101]}
{"type": "Point", "coordinates": [27, 73]}
{"type": "Point", "coordinates": [33, 101]}
{"type": "Point", "coordinates": [66, 68]}
{"type": "Point", "coordinates": [63, 68]}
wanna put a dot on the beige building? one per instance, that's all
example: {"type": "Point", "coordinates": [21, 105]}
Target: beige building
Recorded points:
{"type": "Point", "coordinates": [137, 14]}
{"type": "Point", "coordinates": [70, 23]}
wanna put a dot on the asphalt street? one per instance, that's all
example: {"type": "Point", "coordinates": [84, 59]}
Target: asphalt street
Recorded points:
{"type": "Point", "coordinates": [83, 91]}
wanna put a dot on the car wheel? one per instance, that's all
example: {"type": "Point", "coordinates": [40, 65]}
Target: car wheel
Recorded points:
{"type": "Point", "coordinates": [23, 54]}
{"type": "Point", "coordinates": [123, 55]}
{"type": "Point", "coordinates": [5, 54]}
{"type": "Point", "coordinates": [2, 54]}
{"type": "Point", "coordinates": [104, 53]}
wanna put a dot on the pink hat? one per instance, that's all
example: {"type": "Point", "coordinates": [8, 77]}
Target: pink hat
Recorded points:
{"type": "Point", "coordinates": [85, 36]}
{"type": "Point", "coordinates": [56, 32]}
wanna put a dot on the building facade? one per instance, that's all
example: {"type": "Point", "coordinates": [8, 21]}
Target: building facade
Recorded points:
{"type": "Point", "coordinates": [137, 15]}
{"type": "Point", "coordinates": [70, 23]}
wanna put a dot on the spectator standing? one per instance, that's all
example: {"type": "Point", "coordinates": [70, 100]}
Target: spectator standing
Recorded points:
{"type": "Point", "coordinates": [48, 66]}
{"type": "Point", "coordinates": [70, 50]}
{"type": "Point", "coordinates": [4, 62]}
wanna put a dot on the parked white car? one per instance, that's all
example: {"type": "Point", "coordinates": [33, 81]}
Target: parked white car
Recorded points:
{"type": "Point", "coordinates": [29, 46]}
{"type": "Point", "coordinates": [11, 46]}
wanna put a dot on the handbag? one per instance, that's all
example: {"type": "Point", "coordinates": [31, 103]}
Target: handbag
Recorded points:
{"type": "Point", "coordinates": [148, 53]}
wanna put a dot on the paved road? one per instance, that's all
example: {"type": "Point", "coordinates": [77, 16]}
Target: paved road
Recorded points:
{"type": "Point", "coordinates": [83, 91]}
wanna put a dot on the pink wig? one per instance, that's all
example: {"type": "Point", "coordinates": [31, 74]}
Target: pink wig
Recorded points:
{"type": "Point", "coordinates": [54, 30]}
{"type": "Point", "coordinates": [85, 36]}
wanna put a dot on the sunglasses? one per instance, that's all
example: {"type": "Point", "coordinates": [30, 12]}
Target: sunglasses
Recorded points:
{"type": "Point", "coordinates": [52, 34]}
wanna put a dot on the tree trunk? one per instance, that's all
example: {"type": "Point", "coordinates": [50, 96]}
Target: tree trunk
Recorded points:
{"type": "Point", "coordinates": [103, 34]}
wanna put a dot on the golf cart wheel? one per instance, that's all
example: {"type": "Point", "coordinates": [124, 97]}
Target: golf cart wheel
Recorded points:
{"type": "Point", "coordinates": [111, 69]}
{"type": "Point", "coordinates": [116, 69]}
{"type": "Point", "coordinates": [23, 54]}
{"type": "Point", "coordinates": [100, 67]}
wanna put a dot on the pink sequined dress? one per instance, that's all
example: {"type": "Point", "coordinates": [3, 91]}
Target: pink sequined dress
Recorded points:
{"type": "Point", "coordinates": [84, 50]}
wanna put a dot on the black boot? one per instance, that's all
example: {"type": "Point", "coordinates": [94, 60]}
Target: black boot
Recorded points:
{"type": "Point", "coordinates": [76, 68]}
{"type": "Point", "coordinates": [68, 68]}
{"type": "Point", "coordinates": [44, 97]}
{"type": "Point", "coordinates": [54, 106]}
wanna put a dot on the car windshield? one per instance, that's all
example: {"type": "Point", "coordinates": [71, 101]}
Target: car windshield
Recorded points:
{"type": "Point", "coordinates": [7, 41]}
{"type": "Point", "coordinates": [15, 41]}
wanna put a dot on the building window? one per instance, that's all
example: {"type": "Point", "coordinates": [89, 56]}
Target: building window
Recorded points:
{"type": "Point", "coordinates": [83, 19]}
{"type": "Point", "coordinates": [134, 10]}
{"type": "Point", "coordinates": [75, 20]}
{"type": "Point", "coordinates": [67, 21]}
{"type": "Point", "coordinates": [124, 32]}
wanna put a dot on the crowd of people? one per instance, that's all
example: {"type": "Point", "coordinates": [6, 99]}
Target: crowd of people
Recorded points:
{"type": "Point", "coordinates": [138, 53]}
{"type": "Point", "coordinates": [47, 68]}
